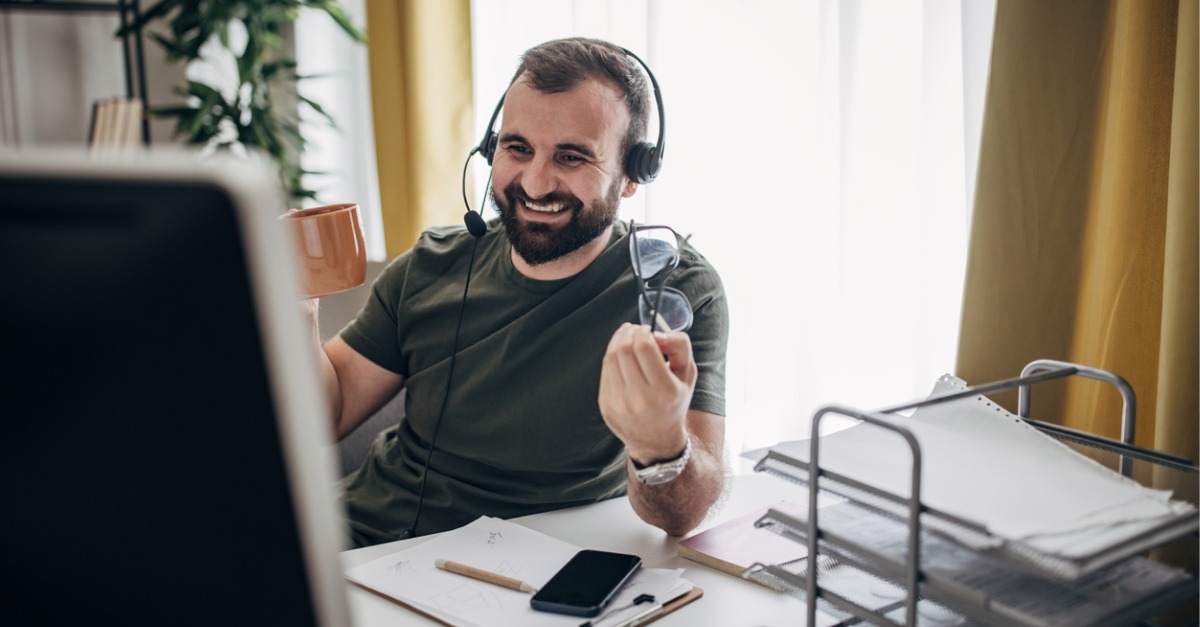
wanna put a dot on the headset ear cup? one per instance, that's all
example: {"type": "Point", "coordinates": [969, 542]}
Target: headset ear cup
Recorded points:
{"type": "Point", "coordinates": [487, 147]}
{"type": "Point", "coordinates": [642, 163]}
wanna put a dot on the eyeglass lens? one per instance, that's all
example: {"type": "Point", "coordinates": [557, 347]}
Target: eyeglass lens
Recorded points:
{"type": "Point", "coordinates": [656, 255]}
{"type": "Point", "coordinates": [674, 311]}
{"type": "Point", "coordinates": [657, 250]}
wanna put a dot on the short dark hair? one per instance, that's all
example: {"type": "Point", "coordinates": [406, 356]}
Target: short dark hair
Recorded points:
{"type": "Point", "coordinates": [559, 65]}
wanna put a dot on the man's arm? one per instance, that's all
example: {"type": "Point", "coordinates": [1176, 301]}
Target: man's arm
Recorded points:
{"type": "Point", "coordinates": [356, 386]}
{"type": "Point", "coordinates": [644, 399]}
{"type": "Point", "coordinates": [679, 506]}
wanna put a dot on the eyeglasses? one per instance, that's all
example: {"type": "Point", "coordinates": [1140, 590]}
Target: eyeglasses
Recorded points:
{"type": "Point", "coordinates": [654, 251]}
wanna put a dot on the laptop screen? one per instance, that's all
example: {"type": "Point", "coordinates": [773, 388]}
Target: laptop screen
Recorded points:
{"type": "Point", "coordinates": [162, 458]}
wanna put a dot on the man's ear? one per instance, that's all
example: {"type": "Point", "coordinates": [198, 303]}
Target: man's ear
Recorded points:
{"type": "Point", "coordinates": [630, 188]}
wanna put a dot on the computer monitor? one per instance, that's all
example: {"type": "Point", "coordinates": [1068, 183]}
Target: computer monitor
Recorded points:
{"type": "Point", "coordinates": [164, 444]}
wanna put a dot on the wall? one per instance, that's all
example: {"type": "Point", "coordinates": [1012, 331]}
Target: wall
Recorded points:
{"type": "Point", "coordinates": [54, 65]}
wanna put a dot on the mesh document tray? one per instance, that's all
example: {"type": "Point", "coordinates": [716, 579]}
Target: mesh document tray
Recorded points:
{"type": "Point", "coordinates": [876, 546]}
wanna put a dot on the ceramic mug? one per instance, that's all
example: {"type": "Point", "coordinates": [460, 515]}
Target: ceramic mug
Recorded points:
{"type": "Point", "coordinates": [329, 240]}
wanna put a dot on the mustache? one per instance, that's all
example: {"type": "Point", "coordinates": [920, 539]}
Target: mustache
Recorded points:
{"type": "Point", "coordinates": [513, 192]}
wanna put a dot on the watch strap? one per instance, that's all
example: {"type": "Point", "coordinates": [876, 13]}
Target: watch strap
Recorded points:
{"type": "Point", "coordinates": [664, 471]}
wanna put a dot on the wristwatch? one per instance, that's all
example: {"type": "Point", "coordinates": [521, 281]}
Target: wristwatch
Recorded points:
{"type": "Point", "coordinates": [663, 472]}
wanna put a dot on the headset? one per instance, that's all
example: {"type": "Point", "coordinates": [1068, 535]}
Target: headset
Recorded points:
{"type": "Point", "coordinates": [642, 162]}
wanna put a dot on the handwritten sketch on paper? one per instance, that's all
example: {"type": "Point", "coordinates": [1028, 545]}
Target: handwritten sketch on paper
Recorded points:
{"type": "Point", "coordinates": [491, 544]}
{"type": "Point", "coordinates": [504, 548]}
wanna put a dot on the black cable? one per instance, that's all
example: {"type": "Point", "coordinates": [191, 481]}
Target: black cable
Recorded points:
{"type": "Point", "coordinates": [412, 529]}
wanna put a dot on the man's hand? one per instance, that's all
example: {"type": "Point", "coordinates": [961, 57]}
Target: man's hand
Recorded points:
{"type": "Point", "coordinates": [644, 398]}
{"type": "Point", "coordinates": [309, 308]}
{"type": "Point", "coordinates": [646, 387]}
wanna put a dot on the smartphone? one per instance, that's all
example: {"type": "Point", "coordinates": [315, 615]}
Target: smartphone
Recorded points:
{"type": "Point", "coordinates": [586, 584]}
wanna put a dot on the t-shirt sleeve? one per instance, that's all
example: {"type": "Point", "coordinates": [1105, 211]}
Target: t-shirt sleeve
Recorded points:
{"type": "Point", "coordinates": [374, 333]}
{"type": "Point", "coordinates": [709, 335]}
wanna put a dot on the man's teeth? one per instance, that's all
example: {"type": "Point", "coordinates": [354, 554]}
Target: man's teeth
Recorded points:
{"type": "Point", "coordinates": [547, 208]}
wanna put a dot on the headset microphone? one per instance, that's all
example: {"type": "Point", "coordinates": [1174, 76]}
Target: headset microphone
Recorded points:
{"type": "Point", "coordinates": [473, 219]}
{"type": "Point", "coordinates": [475, 224]}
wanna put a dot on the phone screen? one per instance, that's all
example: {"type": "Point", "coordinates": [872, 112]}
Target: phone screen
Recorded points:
{"type": "Point", "coordinates": [586, 583]}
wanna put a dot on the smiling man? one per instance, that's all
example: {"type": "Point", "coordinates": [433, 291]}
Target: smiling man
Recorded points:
{"type": "Point", "coordinates": [541, 210]}
{"type": "Point", "coordinates": [556, 395]}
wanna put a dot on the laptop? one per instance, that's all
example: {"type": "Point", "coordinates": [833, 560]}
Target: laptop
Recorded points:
{"type": "Point", "coordinates": [164, 455]}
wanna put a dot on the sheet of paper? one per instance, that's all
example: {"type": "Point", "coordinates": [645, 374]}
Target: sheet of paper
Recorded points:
{"type": "Point", "coordinates": [1103, 526]}
{"type": "Point", "coordinates": [971, 577]}
{"type": "Point", "coordinates": [501, 547]}
{"type": "Point", "coordinates": [990, 468]}
{"type": "Point", "coordinates": [661, 583]}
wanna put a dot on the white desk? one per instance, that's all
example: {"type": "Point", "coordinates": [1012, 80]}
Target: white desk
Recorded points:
{"type": "Point", "coordinates": [613, 526]}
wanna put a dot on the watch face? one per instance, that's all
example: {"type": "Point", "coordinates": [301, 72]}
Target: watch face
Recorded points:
{"type": "Point", "coordinates": [657, 475]}
{"type": "Point", "coordinates": [666, 471]}
{"type": "Point", "coordinates": [661, 475]}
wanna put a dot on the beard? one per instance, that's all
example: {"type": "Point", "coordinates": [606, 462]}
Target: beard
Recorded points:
{"type": "Point", "coordinates": [538, 243]}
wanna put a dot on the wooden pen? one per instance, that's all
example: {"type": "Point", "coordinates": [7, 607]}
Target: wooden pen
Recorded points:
{"type": "Point", "coordinates": [484, 575]}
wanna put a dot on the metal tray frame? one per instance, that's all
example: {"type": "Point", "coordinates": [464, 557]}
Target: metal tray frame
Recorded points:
{"type": "Point", "coordinates": [924, 524]}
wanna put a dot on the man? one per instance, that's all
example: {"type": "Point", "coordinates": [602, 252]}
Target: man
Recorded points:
{"type": "Point", "coordinates": [554, 398]}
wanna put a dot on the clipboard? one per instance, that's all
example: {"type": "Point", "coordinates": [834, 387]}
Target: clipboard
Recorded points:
{"type": "Point", "coordinates": [411, 578]}
{"type": "Point", "coordinates": [670, 606]}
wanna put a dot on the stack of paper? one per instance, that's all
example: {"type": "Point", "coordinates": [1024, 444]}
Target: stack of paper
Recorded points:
{"type": "Point", "coordinates": [504, 548]}
{"type": "Point", "coordinates": [1042, 535]}
{"type": "Point", "coordinates": [1095, 507]}
{"type": "Point", "coordinates": [973, 579]}
{"type": "Point", "coordinates": [1033, 494]}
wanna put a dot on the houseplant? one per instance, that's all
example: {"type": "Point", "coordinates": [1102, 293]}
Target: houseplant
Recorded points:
{"type": "Point", "coordinates": [262, 109]}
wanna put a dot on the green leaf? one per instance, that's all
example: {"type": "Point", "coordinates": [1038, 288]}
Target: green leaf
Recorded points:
{"type": "Point", "coordinates": [256, 120]}
{"type": "Point", "coordinates": [271, 40]}
{"type": "Point", "coordinates": [282, 68]}
{"type": "Point", "coordinates": [174, 50]}
{"type": "Point", "coordinates": [305, 77]}
{"type": "Point", "coordinates": [184, 125]}
{"type": "Point", "coordinates": [319, 109]}
{"type": "Point", "coordinates": [152, 13]}
{"type": "Point", "coordinates": [204, 91]}
{"type": "Point", "coordinates": [335, 11]}
{"type": "Point", "coordinates": [166, 112]}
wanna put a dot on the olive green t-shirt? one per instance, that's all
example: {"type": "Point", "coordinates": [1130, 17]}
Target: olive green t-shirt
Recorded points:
{"type": "Point", "coordinates": [521, 432]}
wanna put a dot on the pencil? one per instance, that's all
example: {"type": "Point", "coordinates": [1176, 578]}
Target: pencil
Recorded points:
{"type": "Point", "coordinates": [483, 575]}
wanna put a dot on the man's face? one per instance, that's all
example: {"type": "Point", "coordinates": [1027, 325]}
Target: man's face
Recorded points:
{"type": "Point", "coordinates": [557, 176]}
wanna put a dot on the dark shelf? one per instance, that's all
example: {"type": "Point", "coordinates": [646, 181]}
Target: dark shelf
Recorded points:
{"type": "Point", "coordinates": [129, 11]}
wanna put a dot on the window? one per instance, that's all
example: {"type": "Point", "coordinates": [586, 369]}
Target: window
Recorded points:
{"type": "Point", "coordinates": [341, 85]}
{"type": "Point", "coordinates": [822, 154]}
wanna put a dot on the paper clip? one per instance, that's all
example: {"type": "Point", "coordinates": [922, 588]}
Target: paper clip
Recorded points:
{"type": "Point", "coordinates": [632, 621]}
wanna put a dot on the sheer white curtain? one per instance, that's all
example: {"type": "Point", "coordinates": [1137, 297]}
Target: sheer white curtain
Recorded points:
{"type": "Point", "coordinates": [342, 158]}
{"type": "Point", "coordinates": [819, 153]}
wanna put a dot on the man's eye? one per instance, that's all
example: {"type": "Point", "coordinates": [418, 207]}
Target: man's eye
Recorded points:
{"type": "Point", "coordinates": [518, 148]}
{"type": "Point", "coordinates": [571, 159]}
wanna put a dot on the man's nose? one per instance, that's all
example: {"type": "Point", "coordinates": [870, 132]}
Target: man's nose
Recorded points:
{"type": "Point", "coordinates": [539, 178]}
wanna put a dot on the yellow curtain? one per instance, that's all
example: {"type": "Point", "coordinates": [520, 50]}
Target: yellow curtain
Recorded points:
{"type": "Point", "coordinates": [420, 58]}
{"type": "Point", "coordinates": [1084, 235]}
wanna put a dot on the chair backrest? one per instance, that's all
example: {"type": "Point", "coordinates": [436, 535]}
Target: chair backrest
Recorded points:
{"type": "Point", "coordinates": [354, 448]}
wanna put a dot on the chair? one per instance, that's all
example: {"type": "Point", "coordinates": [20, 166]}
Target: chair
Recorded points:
{"type": "Point", "coordinates": [353, 449]}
